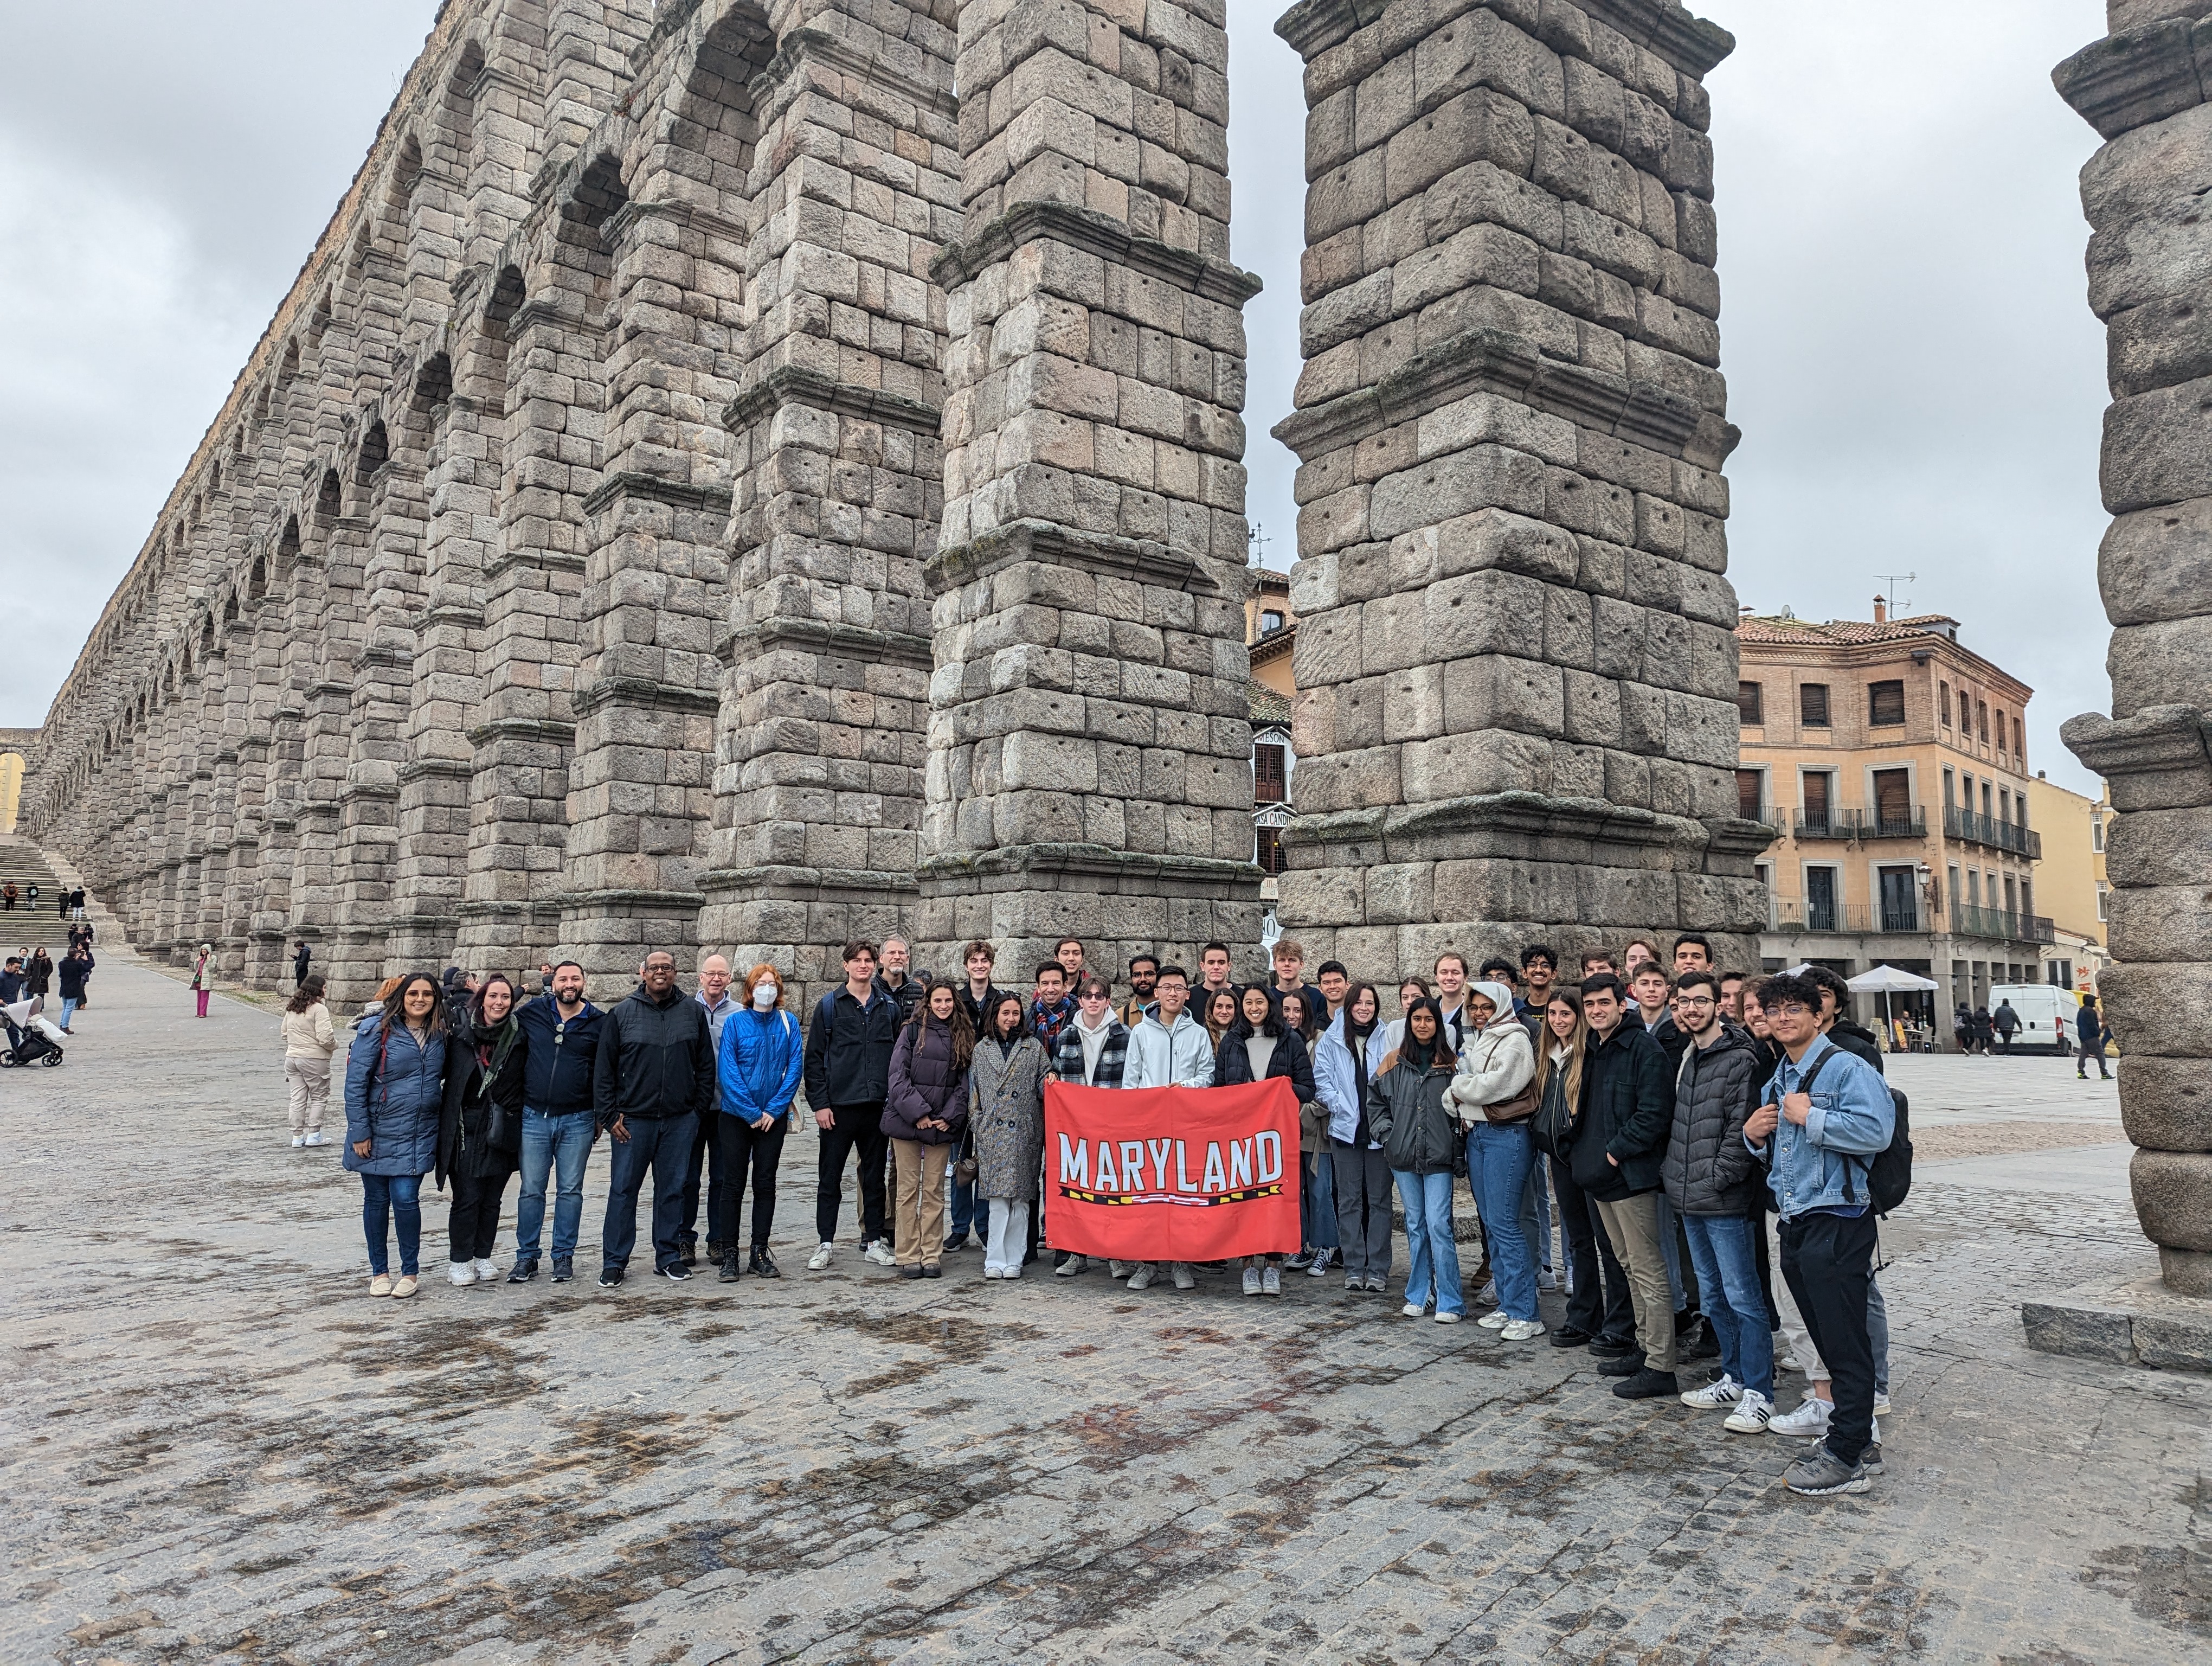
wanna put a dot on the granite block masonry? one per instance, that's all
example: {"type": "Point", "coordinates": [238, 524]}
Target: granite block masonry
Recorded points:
{"type": "Point", "coordinates": [563, 575]}
{"type": "Point", "coordinates": [1516, 661]}
{"type": "Point", "coordinates": [2142, 88]}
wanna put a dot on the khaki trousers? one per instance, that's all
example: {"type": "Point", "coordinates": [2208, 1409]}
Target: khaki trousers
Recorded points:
{"type": "Point", "coordinates": [1632, 1225]}
{"type": "Point", "coordinates": [918, 1216]}
{"type": "Point", "coordinates": [309, 1083]}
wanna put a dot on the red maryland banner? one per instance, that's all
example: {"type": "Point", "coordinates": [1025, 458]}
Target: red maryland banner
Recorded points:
{"type": "Point", "coordinates": [1172, 1173]}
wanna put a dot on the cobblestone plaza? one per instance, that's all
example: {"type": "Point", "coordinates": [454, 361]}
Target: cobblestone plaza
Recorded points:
{"type": "Point", "coordinates": [218, 1447]}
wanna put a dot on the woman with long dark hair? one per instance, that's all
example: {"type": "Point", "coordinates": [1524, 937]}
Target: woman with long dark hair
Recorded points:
{"type": "Point", "coordinates": [1342, 1068]}
{"type": "Point", "coordinates": [1259, 1047]}
{"type": "Point", "coordinates": [1219, 1016]}
{"type": "Point", "coordinates": [310, 1038]}
{"type": "Point", "coordinates": [923, 1114]}
{"type": "Point", "coordinates": [1006, 1120]}
{"type": "Point", "coordinates": [395, 1097]}
{"type": "Point", "coordinates": [1405, 1111]}
{"type": "Point", "coordinates": [1316, 1188]}
{"type": "Point", "coordinates": [480, 1136]}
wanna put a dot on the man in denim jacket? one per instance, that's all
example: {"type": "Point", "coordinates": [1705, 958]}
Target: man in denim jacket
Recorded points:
{"type": "Point", "coordinates": [1817, 1146]}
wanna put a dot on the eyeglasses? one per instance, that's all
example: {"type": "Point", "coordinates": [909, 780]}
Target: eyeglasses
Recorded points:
{"type": "Point", "coordinates": [1693, 1001]}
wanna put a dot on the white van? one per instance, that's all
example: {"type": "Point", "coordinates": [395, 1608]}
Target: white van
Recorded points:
{"type": "Point", "coordinates": [2040, 1006]}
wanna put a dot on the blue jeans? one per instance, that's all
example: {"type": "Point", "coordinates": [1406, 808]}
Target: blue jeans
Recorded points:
{"type": "Point", "coordinates": [1724, 1250]}
{"type": "Point", "coordinates": [552, 1145]}
{"type": "Point", "coordinates": [1320, 1203]}
{"type": "Point", "coordinates": [389, 1200]}
{"type": "Point", "coordinates": [963, 1210]}
{"type": "Point", "coordinates": [1432, 1252]}
{"type": "Point", "coordinates": [1498, 1158]}
{"type": "Point", "coordinates": [69, 1006]}
{"type": "Point", "coordinates": [662, 1144]}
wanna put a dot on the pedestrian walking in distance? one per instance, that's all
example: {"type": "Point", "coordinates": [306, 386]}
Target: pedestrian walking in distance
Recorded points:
{"type": "Point", "coordinates": [480, 1132]}
{"type": "Point", "coordinates": [77, 904]}
{"type": "Point", "coordinates": [76, 968]}
{"type": "Point", "coordinates": [395, 1093]}
{"type": "Point", "coordinates": [310, 1038]}
{"type": "Point", "coordinates": [653, 1080]}
{"type": "Point", "coordinates": [299, 958]}
{"type": "Point", "coordinates": [2090, 1032]}
{"type": "Point", "coordinates": [203, 975]}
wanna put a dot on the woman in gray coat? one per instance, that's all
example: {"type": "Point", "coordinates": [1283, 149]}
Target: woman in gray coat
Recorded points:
{"type": "Point", "coordinates": [395, 1099]}
{"type": "Point", "coordinates": [1005, 1117]}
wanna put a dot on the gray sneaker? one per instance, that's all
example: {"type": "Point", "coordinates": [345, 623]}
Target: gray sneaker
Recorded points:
{"type": "Point", "coordinates": [1120, 1269]}
{"type": "Point", "coordinates": [1820, 1474]}
{"type": "Point", "coordinates": [1072, 1266]}
{"type": "Point", "coordinates": [1271, 1280]}
{"type": "Point", "coordinates": [1142, 1278]}
{"type": "Point", "coordinates": [1251, 1281]}
{"type": "Point", "coordinates": [1184, 1278]}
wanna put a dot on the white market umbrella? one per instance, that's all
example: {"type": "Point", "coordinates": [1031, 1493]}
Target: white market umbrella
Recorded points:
{"type": "Point", "coordinates": [1883, 981]}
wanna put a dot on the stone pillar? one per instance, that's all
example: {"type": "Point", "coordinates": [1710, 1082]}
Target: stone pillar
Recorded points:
{"type": "Point", "coordinates": [818, 760]}
{"type": "Point", "coordinates": [2148, 248]}
{"type": "Point", "coordinates": [1090, 747]}
{"type": "Point", "coordinates": [1515, 659]}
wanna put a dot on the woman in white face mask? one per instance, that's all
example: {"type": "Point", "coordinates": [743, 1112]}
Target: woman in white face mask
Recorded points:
{"type": "Point", "coordinates": [758, 1068]}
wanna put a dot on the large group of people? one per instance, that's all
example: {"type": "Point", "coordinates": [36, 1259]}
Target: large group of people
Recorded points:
{"type": "Point", "coordinates": [1664, 1115]}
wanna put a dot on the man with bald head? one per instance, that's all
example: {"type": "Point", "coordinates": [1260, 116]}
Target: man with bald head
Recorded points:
{"type": "Point", "coordinates": [713, 994]}
{"type": "Point", "coordinates": [652, 1078]}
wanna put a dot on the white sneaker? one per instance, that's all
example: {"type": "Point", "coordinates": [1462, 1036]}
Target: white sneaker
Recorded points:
{"type": "Point", "coordinates": [1445, 1319]}
{"type": "Point", "coordinates": [1271, 1280]}
{"type": "Point", "coordinates": [1722, 1390]}
{"type": "Point", "coordinates": [1013, 1272]}
{"type": "Point", "coordinates": [1752, 1415]}
{"type": "Point", "coordinates": [461, 1272]}
{"type": "Point", "coordinates": [1142, 1277]}
{"type": "Point", "coordinates": [1881, 1404]}
{"type": "Point", "coordinates": [880, 1253]}
{"type": "Point", "coordinates": [1520, 1330]}
{"type": "Point", "coordinates": [819, 1260]}
{"type": "Point", "coordinates": [316, 1139]}
{"type": "Point", "coordinates": [487, 1272]}
{"type": "Point", "coordinates": [298, 1140]}
{"type": "Point", "coordinates": [1071, 1267]}
{"type": "Point", "coordinates": [1809, 1419]}
{"type": "Point", "coordinates": [1251, 1281]}
{"type": "Point", "coordinates": [1488, 1294]}
{"type": "Point", "coordinates": [1120, 1269]}
{"type": "Point", "coordinates": [993, 1272]}
{"type": "Point", "coordinates": [1413, 1310]}
{"type": "Point", "coordinates": [1496, 1319]}
{"type": "Point", "coordinates": [1548, 1279]}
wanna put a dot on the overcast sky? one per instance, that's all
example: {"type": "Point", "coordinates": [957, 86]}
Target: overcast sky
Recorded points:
{"type": "Point", "coordinates": [1918, 381]}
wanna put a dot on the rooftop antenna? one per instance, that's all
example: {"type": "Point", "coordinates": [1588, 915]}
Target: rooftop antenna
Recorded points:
{"type": "Point", "coordinates": [1899, 603]}
{"type": "Point", "coordinates": [1257, 541]}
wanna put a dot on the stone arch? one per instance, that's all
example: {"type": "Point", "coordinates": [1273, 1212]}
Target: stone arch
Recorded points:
{"type": "Point", "coordinates": [374, 451]}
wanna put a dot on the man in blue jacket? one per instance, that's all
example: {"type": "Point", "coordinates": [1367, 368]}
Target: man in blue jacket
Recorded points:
{"type": "Point", "coordinates": [561, 1039]}
{"type": "Point", "coordinates": [1827, 1116]}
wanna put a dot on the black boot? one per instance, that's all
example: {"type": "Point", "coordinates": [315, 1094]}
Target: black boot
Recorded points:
{"type": "Point", "coordinates": [763, 1264]}
{"type": "Point", "coordinates": [714, 1251]}
{"type": "Point", "coordinates": [729, 1273]}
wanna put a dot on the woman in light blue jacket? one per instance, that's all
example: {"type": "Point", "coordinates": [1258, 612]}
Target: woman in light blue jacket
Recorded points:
{"type": "Point", "coordinates": [395, 1101]}
{"type": "Point", "coordinates": [758, 1068]}
{"type": "Point", "coordinates": [1364, 1184]}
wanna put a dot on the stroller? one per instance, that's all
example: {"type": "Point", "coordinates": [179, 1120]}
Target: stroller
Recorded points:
{"type": "Point", "coordinates": [32, 1039]}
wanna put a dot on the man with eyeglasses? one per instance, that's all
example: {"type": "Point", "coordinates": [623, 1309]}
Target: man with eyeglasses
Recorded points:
{"type": "Point", "coordinates": [1170, 1049]}
{"type": "Point", "coordinates": [1827, 1114]}
{"type": "Point", "coordinates": [1709, 1176]}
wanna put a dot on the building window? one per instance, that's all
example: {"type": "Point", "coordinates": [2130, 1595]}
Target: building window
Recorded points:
{"type": "Point", "coordinates": [1749, 707]}
{"type": "Point", "coordinates": [1981, 707]}
{"type": "Point", "coordinates": [1950, 788]}
{"type": "Point", "coordinates": [1267, 774]}
{"type": "Point", "coordinates": [2019, 744]}
{"type": "Point", "coordinates": [2097, 831]}
{"type": "Point", "coordinates": [1954, 883]}
{"type": "Point", "coordinates": [1966, 715]}
{"type": "Point", "coordinates": [1814, 790]}
{"type": "Point", "coordinates": [1892, 802]}
{"type": "Point", "coordinates": [1987, 814]}
{"type": "Point", "coordinates": [1943, 703]}
{"type": "Point", "coordinates": [1750, 794]}
{"type": "Point", "coordinates": [1973, 888]}
{"type": "Point", "coordinates": [1885, 704]}
{"type": "Point", "coordinates": [1269, 621]}
{"type": "Point", "coordinates": [2102, 890]}
{"type": "Point", "coordinates": [1813, 705]}
{"type": "Point", "coordinates": [1269, 855]}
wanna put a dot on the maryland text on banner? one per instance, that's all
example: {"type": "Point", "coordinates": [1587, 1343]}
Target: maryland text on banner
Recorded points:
{"type": "Point", "coordinates": [1172, 1173]}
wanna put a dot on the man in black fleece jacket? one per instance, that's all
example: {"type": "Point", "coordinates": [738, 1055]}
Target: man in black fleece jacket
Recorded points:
{"type": "Point", "coordinates": [651, 1080]}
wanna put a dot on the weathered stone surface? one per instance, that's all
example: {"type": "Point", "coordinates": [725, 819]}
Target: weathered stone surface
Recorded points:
{"type": "Point", "coordinates": [2165, 1104]}
{"type": "Point", "coordinates": [2173, 1197]}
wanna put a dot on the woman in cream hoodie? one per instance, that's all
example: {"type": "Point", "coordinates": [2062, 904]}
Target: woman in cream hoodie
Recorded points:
{"type": "Point", "coordinates": [309, 1039]}
{"type": "Point", "coordinates": [1490, 1093]}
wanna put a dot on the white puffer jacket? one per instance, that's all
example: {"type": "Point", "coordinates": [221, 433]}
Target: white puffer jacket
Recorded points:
{"type": "Point", "coordinates": [1494, 1064]}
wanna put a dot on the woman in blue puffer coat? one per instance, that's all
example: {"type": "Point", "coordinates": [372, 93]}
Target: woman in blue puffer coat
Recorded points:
{"type": "Point", "coordinates": [395, 1101]}
{"type": "Point", "coordinates": [758, 1066]}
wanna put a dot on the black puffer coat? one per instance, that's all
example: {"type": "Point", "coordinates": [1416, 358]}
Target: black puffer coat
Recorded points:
{"type": "Point", "coordinates": [471, 1140]}
{"type": "Point", "coordinates": [924, 1086]}
{"type": "Point", "coordinates": [1707, 1168]}
{"type": "Point", "coordinates": [1405, 1111]}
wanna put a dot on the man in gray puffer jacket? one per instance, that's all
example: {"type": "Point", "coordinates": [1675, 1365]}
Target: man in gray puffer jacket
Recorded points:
{"type": "Point", "coordinates": [1711, 1176]}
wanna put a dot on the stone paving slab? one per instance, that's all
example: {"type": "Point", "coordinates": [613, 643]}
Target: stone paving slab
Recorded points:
{"type": "Point", "coordinates": [220, 1448]}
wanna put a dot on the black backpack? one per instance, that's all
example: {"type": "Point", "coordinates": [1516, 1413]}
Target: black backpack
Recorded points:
{"type": "Point", "coordinates": [1889, 1170]}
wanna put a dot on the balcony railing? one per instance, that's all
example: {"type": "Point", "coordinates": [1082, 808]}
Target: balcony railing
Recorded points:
{"type": "Point", "coordinates": [1793, 913]}
{"type": "Point", "coordinates": [1766, 814]}
{"type": "Point", "coordinates": [1989, 830]}
{"type": "Point", "coordinates": [2003, 925]}
{"type": "Point", "coordinates": [1856, 825]}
